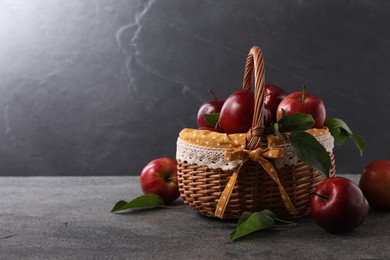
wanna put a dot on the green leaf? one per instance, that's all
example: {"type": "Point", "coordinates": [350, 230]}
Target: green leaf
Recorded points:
{"type": "Point", "coordinates": [309, 150]}
{"type": "Point", "coordinates": [244, 217]}
{"type": "Point", "coordinates": [340, 136]}
{"type": "Point", "coordinates": [269, 213]}
{"type": "Point", "coordinates": [334, 123]}
{"type": "Point", "coordinates": [283, 115]}
{"type": "Point", "coordinates": [341, 132]}
{"type": "Point", "coordinates": [338, 129]}
{"type": "Point", "coordinates": [277, 131]}
{"type": "Point", "coordinates": [147, 200]}
{"type": "Point", "coordinates": [296, 122]}
{"type": "Point", "coordinates": [119, 205]}
{"type": "Point", "coordinates": [212, 119]}
{"type": "Point", "coordinates": [360, 142]}
{"type": "Point", "coordinates": [252, 223]}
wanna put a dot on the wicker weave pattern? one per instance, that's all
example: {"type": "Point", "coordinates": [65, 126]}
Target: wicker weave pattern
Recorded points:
{"type": "Point", "coordinates": [255, 66]}
{"type": "Point", "coordinates": [201, 187]}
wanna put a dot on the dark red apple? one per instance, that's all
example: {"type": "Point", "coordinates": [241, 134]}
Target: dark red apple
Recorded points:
{"type": "Point", "coordinates": [303, 102]}
{"type": "Point", "coordinates": [267, 117]}
{"type": "Point", "coordinates": [160, 177]}
{"type": "Point", "coordinates": [338, 205]}
{"type": "Point", "coordinates": [211, 107]}
{"type": "Point", "coordinates": [273, 95]}
{"type": "Point", "coordinates": [375, 183]}
{"type": "Point", "coordinates": [237, 112]}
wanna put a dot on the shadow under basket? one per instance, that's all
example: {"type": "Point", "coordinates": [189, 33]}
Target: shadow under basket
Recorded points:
{"type": "Point", "coordinates": [201, 188]}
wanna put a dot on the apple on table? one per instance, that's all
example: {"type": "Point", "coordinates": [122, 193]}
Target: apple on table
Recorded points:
{"type": "Point", "coordinates": [338, 204]}
{"type": "Point", "coordinates": [160, 177]}
{"type": "Point", "coordinates": [375, 184]}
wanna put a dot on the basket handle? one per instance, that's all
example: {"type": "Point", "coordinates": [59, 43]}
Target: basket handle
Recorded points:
{"type": "Point", "coordinates": [255, 66]}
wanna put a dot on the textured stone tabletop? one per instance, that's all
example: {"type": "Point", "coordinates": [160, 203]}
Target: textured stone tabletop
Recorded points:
{"type": "Point", "coordinates": [69, 218]}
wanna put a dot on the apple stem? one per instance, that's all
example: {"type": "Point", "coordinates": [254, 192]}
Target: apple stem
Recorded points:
{"type": "Point", "coordinates": [212, 93]}
{"type": "Point", "coordinates": [321, 196]}
{"type": "Point", "coordinates": [303, 92]}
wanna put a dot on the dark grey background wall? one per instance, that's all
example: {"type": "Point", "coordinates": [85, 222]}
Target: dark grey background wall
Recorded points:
{"type": "Point", "coordinates": [102, 87]}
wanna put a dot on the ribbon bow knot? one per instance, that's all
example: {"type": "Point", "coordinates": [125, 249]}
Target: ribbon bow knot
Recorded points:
{"type": "Point", "coordinates": [258, 155]}
{"type": "Point", "coordinates": [254, 155]}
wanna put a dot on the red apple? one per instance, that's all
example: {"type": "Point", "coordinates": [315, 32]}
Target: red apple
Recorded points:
{"type": "Point", "coordinates": [375, 183]}
{"type": "Point", "coordinates": [160, 177]}
{"type": "Point", "coordinates": [338, 204]}
{"type": "Point", "coordinates": [267, 117]}
{"type": "Point", "coordinates": [211, 107]}
{"type": "Point", "coordinates": [273, 95]}
{"type": "Point", "coordinates": [237, 112]}
{"type": "Point", "coordinates": [302, 102]}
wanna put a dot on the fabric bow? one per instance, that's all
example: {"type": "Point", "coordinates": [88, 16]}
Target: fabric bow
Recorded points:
{"type": "Point", "coordinates": [257, 155]}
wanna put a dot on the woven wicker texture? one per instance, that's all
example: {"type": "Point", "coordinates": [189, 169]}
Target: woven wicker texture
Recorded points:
{"type": "Point", "coordinates": [254, 190]}
{"type": "Point", "coordinates": [200, 188]}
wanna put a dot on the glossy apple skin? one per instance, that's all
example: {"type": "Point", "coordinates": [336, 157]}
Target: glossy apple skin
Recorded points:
{"type": "Point", "coordinates": [160, 177]}
{"type": "Point", "coordinates": [375, 184]}
{"type": "Point", "coordinates": [208, 108]}
{"type": "Point", "coordinates": [345, 207]}
{"type": "Point", "coordinates": [273, 95]}
{"type": "Point", "coordinates": [267, 117]}
{"type": "Point", "coordinates": [310, 105]}
{"type": "Point", "coordinates": [237, 112]}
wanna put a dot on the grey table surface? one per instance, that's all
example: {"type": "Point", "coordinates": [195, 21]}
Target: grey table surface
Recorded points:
{"type": "Point", "coordinates": [70, 218]}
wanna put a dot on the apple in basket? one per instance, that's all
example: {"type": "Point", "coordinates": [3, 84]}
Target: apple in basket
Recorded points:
{"type": "Point", "coordinates": [302, 102]}
{"type": "Point", "coordinates": [267, 117]}
{"type": "Point", "coordinates": [338, 204]}
{"type": "Point", "coordinates": [237, 112]}
{"type": "Point", "coordinates": [160, 177]}
{"type": "Point", "coordinates": [208, 108]}
{"type": "Point", "coordinates": [273, 95]}
{"type": "Point", "coordinates": [375, 183]}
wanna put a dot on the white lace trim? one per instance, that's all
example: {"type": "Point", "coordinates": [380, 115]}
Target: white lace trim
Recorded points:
{"type": "Point", "coordinates": [289, 156]}
{"type": "Point", "coordinates": [214, 158]}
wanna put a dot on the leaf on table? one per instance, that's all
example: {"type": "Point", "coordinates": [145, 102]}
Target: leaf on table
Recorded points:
{"type": "Point", "coordinates": [119, 205]}
{"type": "Point", "coordinates": [143, 201]}
{"type": "Point", "coordinates": [244, 216]}
{"type": "Point", "coordinates": [309, 150]}
{"type": "Point", "coordinates": [252, 222]}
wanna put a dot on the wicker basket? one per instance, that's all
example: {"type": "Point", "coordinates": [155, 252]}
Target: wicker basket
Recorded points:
{"type": "Point", "coordinates": [287, 193]}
